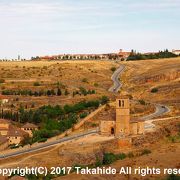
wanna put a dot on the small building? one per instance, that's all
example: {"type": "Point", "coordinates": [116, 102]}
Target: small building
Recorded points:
{"type": "Point", "coordinates": [16, 135]}
{"type": "Point", "coordinates": [117, 121]}
{"type": "Point", "coordinates": [3, 99]}
{"type": "Point", "coordinates": [29, 128]}
{"type": "Point", "coordinates": [177, 52]}
{"type": "Point", "coordinates": [13, 134]}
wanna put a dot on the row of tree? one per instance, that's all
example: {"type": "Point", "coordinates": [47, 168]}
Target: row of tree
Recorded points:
{"type": "Point", "coordinates": [159, 55]}
{"type": "Point", "coordinates": [50, 92]}
{"type": "Point", "coordinates": [83, 91]}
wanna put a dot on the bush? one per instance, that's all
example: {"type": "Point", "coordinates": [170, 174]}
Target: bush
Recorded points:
{"type": "Point", "coordinates": [113, 69]}
{"type": "Point", "coordinates": [142, 102]}
{"type": "Point", "coordinates": [174, 139]}
{"type": "Point", "coordinates": [36, 84]}
{"type": "Point", "coordinates": [120, 156]}
{"type": "Point", "coordinates": [154, 90]}
{"type": "Point", "coordinates": [2, 81]}
{"type": "Point", "coordinates": [173, 177]}
{"type": "Point", "coordinates": [83, 115]}
{"type": "Point", "coordinates": [96, 84]}
{"type": "Point", "coordinates": [108, 158]}
{"type": "Point", "coordinates": [98, 162]}
{"type": "Point", "coordinates": [84, 80]}
{"type": "Point", "coordinates": [145, 151]}
{"type": "Point", "coordinates": [104, 100]}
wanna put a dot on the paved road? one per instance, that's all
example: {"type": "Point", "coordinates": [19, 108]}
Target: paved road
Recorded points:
{"type": "Point", "coordinates": [46, 145]}
{"type": "Point", "coordinates": [115, 78]}
{"type": "Point", "coordinates": [160, 109]}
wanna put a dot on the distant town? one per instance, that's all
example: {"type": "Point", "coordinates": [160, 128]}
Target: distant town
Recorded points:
{"type": "Point", "coordinates": [121, 55]}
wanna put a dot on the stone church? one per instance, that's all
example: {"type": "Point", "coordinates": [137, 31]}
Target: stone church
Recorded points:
{"type": "Point", "coordinates": [117, 121]}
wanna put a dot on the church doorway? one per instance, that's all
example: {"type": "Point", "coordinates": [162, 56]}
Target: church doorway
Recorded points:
{"type": "Point", "coordinates": [112, 131]}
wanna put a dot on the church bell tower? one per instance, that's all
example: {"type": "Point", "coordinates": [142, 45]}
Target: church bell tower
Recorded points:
{"type": "Point", "coordinates": [122, 117]}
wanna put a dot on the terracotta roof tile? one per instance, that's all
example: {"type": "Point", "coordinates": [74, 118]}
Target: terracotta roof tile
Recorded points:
{"type": "Point", "coordinates": [14, 131]}
{"type": "Point", "coordinates": [29, 125]}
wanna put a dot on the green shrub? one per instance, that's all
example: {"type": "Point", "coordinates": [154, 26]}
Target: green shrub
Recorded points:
{"type": "Point", "coordinates": [113, 69]}
{"type": "Point", "coordinates": [36, 84]}
{"type": "Point", "coordinates": [94, 125]}
{"type": "Point", "coordinates": [145, 151]}
{"type": "Point", "coordinates": [104, 100]}
{"type": "Point", "coordinates": [173, 177]}
{"type": "Point", "coordinates": [142, 102]}
{"type": "Point", "coordinates": [120, 156]}
{"type": "Point", "coordinates": [108, 158]}
{"type": "Point", "coordinates": [83, 115]}
{"type": "Point", "coordinates": [98, 162]}
{"type": "Point", "coordinates": [174, 139]}
{"type": "Point", "coordinates": [84, 80]}
{"type": "Point", "coordinates": [154, 90]}
{"type": "Point", "coordinates": [96, 84]}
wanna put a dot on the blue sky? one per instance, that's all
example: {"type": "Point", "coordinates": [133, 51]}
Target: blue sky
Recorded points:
{"type": "Point", "coordinates": [46, 27]}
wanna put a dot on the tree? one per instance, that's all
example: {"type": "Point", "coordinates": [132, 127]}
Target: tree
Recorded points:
{"type": "Point", "coordinates": [48, 93]}
{"type": "Point", "coordinates": [104, 100]}
{"type": "Point", "coordinates": [66, 92]}
{"type": "Point", "coordinates": [113, 69]}
{"type": "Point", "coordinates": [59, 92]}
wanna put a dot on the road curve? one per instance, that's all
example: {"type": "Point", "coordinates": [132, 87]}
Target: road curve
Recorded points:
{"type": "Point", "coordinates": [46, 145]}
{"type": "Point", "coordinates": [160, 109]}
{"type": "Point", "coordinates": [115, 78]}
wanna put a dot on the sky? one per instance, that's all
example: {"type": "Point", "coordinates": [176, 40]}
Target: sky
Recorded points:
{"type": "Point", "coordinates": [49, 27]}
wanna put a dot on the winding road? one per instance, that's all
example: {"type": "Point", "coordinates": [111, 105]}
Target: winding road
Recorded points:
{"type": "Point", "coordinates": [160, 109]}
{"type": "Point", "coordinates": [115, 78]}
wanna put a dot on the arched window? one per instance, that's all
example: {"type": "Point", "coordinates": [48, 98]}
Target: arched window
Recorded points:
{"type": "Point", "coordinates": [119, 103]}
{"type": "Point", "coordinates": [122, 103]}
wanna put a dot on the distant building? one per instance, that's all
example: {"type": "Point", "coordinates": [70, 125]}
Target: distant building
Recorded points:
{"type": "Point", "coordinates": [117, 121]}
{"type": "Point", "coordinates": [177, 52]}
{"type": "Point", "coordinates": [3, 99]}
{"type": "Point", "coordinates": [14, 135]}
{"type": "Point", "coordinates": [123, 55]}
{"type": "Point", "coordinates": [29, 128]}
